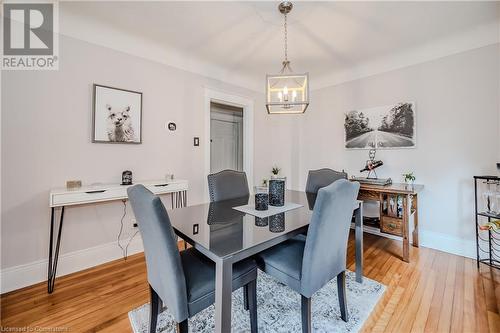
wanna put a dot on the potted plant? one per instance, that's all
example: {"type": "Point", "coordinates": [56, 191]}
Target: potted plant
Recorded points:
{"type": "Point", "coordinates": [409, 178]}
{"type": "Point", "coordinates": [275, 172]}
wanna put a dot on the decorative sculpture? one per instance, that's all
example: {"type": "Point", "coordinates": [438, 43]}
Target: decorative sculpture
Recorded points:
{"type": "Point", "coordinates": [371, 165]}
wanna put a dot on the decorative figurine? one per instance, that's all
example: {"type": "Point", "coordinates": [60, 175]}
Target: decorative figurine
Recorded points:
{"type": "Point", "coordinates": [371, 165]}
{"type": "Point", "coordinates": [127, 177]}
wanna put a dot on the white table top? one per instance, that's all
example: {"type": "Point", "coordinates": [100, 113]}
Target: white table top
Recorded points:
{"type": "Point", "coordinates": [102, 186]}
{"type": "Point", "coordinates": [108, 192]}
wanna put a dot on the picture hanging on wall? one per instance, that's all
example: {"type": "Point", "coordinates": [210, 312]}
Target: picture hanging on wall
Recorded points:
{"type": "Point", "coordinates": [384, 127]}
{"type": "Point", "coordinates": [116, 115]}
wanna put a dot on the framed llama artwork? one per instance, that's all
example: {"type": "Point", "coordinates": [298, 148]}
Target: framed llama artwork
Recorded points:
{"type": "Point", "coordinates": [116, 115]}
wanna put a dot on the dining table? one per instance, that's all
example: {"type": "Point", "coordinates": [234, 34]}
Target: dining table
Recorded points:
{"type": "Point", "coordinates": [227, 235]}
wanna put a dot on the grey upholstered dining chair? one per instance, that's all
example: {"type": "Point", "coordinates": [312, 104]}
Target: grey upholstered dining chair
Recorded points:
{"type": "Point", "coordinates": [307, 265]}
{"type": "Point", "coordinates": [185, 281]}
{"type": "Point", "coordinates": [227, 184]}
{"type": "Point", "coordinates": [317, 179]}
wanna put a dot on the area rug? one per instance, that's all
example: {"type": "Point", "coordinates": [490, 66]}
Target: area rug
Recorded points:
{"type": "Point", "coordinates": [279, 309]}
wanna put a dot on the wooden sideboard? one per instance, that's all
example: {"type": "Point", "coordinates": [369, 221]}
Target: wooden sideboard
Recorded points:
{"type": "Point", "coordinates": [393, 221]}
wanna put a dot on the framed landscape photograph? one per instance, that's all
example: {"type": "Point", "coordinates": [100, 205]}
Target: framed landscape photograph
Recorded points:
{"type": "Point", "coordinates": [116, 115]}
{"type": "Point", "coordinates": [384, 127]}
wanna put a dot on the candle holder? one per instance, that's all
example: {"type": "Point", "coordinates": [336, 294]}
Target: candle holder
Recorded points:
{"type": "Point", "coordinates": [277, 192]}
{"type": "Point", "coordinates": [261, 221]}
{"type": "Point", "coordinates": [277, 223]}
{"type": "Point", "coordinates": [261, 198]}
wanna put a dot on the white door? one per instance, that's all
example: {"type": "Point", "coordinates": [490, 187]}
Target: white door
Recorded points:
{"type": "Point", "coordinates": [226, 138]}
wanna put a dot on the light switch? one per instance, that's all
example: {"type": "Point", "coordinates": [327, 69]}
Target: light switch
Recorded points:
{"type": "Point", "coordinates": [196, 141]}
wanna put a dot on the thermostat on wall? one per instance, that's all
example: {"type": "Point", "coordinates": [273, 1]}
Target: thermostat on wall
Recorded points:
{"type": "Point", "coordinates": [171, 126]}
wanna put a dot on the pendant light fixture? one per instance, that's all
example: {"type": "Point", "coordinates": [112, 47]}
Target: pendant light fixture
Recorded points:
{"type": "Point", "coordinates": [287, 92]}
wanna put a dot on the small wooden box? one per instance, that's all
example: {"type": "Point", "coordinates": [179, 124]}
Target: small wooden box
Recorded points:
{"type": "Point", "coordinates": [72, 184]}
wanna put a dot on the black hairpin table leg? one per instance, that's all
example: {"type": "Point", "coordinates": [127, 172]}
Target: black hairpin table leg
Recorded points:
{"type": "Point", "coordinates": [54, 254]}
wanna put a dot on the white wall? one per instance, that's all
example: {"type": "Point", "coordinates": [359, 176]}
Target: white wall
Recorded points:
{"type": "Point", "coordinates": [457, 134]}
{"type": "Point", "coordinates": [46, 140]}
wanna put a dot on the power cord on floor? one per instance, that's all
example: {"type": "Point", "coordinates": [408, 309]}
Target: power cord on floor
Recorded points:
{"type": "Point", "coordinates": [124, 248]}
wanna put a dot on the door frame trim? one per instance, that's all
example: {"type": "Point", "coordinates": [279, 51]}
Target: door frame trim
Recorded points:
{"type": "Point", "coordinates": [247, 104]}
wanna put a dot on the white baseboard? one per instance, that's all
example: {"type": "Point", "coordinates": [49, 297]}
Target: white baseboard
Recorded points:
{"type": "Point", "coordinates": [446, 243]}
{"type": "Point", "coordinates": [16, 277]}
{"type": "Point", "coordinates": [436, 241]}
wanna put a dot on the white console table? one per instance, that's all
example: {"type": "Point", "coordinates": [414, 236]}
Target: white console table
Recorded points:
{"type": "Point", "coordinates": [62, 197]}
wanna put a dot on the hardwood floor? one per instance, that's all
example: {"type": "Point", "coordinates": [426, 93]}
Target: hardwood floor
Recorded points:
{"type": "Point", "coordinates": [435, 292]}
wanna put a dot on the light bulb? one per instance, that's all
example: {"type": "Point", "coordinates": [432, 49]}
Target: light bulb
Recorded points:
{"type": "Point", "coordinates": [294, 95]}
{"type": "Point", "coordinates": [280, 96]}
{"type": "Point", "coordinates": [285, 93]}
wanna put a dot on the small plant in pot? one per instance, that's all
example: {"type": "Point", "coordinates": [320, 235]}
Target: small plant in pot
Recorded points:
{"type": "Point", "coordinates": [409, 178]}
{"type": "Point", "coordinates": [275, 172]}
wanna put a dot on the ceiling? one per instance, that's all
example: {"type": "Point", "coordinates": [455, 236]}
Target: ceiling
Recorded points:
{"type": "Point", "coordinates": [245, 39]}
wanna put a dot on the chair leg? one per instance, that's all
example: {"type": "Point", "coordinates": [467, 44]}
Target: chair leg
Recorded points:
{"type": "Point", "coordinates": [183, 326]}
{"type": "Point", "coordinates": [245, 297]}
{"type": "Point", "coordinates": [252, 304]}
{"type": "Point", "coordinates": [156, 305]}
{"type": "Point", "coordinates": [342, 296]}
{"type": "Point", "coordinates": [306, 314]}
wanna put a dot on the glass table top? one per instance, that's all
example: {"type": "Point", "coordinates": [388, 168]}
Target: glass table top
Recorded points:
{"type": "Point", "coordinates": [225, 231]}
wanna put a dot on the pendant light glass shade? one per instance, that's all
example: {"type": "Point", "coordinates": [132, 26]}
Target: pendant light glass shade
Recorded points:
{"type": "Point", "coordinates": [287, 93]}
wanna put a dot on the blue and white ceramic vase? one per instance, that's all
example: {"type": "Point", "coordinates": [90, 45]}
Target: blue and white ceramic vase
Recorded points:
{"type": "Point", "coordinates": [277, 192]}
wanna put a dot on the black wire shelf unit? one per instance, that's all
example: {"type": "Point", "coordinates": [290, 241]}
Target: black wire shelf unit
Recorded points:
{"type": "Point", "coordinates": [487, 241]}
